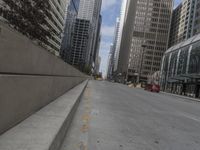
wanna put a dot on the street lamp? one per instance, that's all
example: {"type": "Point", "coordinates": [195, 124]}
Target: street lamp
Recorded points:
{"type": "Point", "coordinates": [141, 65]}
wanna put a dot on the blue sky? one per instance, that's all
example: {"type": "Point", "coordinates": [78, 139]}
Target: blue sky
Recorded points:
{"type": "Point", "coordinates": [110, 11]}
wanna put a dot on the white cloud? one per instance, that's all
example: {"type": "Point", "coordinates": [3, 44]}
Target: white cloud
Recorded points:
{"type": "Point", "coordinates": [108, 3]}
{"type": "Point", "coordinates": [105, 47]}
{"type": "Point", "coordinates": [108, 31]}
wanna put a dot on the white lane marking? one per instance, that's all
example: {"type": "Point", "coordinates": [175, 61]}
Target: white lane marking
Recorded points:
{"type": "Point", "coordinates": [192, 117]}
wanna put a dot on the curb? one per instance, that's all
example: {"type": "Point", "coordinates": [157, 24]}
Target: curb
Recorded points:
{"type": "Point", "coordinates": [46, 129]}
{"type": "Point", "coordinates": [180, 96]}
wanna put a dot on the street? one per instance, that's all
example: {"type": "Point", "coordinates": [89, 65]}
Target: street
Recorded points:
{"type": "Point", "coordinates": [115, 117]}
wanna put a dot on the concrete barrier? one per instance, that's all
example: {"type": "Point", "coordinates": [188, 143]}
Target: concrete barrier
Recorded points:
{"type": "Point", "coordinates": [30, 77]}
{"type": "Point", "coordinates": [45, 129]}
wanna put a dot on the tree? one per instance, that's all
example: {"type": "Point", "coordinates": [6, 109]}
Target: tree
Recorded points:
{"type": "Point", "coordinates": [29, 17]}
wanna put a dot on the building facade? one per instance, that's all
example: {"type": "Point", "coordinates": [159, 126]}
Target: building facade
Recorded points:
{"type": "Point", "coordinates": [112, 54]}
{"type": "Point", "coordinates": [56, 23]}
{"type": "Point", "coordinates": [79, 55]}
{"type": "Point", "coordinates": [97, 47]}
{"type": "Point", "coordinates": [98, 64]}
{"type": "Point", "coordinates": [125, 37]}
{"type": "Point", "coordinates": [115, 42]}
{"type": "Point", "coordinates": [183, 24]}
{"type": "Point", "coordinates": [151, 27]}
{"type": "Point", "coordinates": [123, 14]}
{"type": "Point", "coordinates": [113, 57]}
{"type": "Point", "coordinates": [196, 26]}
{"type": "Point", "coordinates": [71, 15]}
{"type": "Point", "coordinates": [110, 63]}
{"type": "Point", "coordinates": [180, 73]}
{"type": "Point", "coordinates": [89, 15]}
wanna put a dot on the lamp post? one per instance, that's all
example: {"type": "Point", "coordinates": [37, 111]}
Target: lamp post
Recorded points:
{"type": "Point", "coordinates": [141, 65]}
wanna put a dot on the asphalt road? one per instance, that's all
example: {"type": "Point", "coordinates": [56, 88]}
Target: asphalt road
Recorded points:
{"type": "Point", "coordinates": [114, 117]}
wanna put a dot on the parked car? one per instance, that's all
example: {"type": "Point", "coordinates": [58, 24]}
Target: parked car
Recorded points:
{"type": "Point", "coordinates": [153, 82]}
{"type": "Point", "coordinates": [152, 88]}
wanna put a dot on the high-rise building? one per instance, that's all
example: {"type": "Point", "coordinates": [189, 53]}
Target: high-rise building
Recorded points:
{"type": "Point", "coordinates": [183, 22]}
{"type": "Point", "coordinates": [71, 14]}
{"type": "Point", "coordinates": [124, 7]}
{"type": "Point", "coordinates": [124, 39]}
{"type": "Point", "coordinates": [149, 31]}
{"type": "Point", "coordinates": [98, 65]}
{"type": "Point", "coordinates": [196, 26]}
{"type": "Point", "coordinates": [113, 52]}
{"type": "Point", "coordinates": [79, 54]}
{"type": "Point", "coordinates": [110, 63]}
{"type": "Point", "coordinates": [114, 49]}
{"type": "Point", "coordinates": [55, 23]}
{"type": "Point", "coordinates": [90, 10]}
{"type": "Point", "coordinates": [97, 47]}
{"type": "Point", "coordinates": [89, 16]}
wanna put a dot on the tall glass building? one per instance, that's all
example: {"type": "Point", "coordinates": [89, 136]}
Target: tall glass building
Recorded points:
{"type": "Point", "coordinates": [70, 18]}
{"type": "Point", "coordinates": [117, 43]}
{"type": "Point", "coordinates": [87, 34]}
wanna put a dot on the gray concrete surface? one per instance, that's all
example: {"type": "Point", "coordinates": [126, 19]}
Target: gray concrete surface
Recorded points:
{"type": "Point", "coordinates": [20, 96]}
{"type": "Point", "coordinates": [20, 55]}
{"type": "Point", "coordinates": [182, 96]}
{"type": "Point", "coordinates": [30, 77]}
{"type": "Point", "coordinates": [114, 117]}
{"type": "Point", "coordinates": [45, 129]}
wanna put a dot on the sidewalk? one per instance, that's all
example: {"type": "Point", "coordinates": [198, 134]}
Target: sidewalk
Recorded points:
{"type": "Point", "coordinates": [181, 96]}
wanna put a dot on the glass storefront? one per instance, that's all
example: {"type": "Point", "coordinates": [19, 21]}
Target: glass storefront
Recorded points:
{"type": "Point", "coordinates": [180, 73]}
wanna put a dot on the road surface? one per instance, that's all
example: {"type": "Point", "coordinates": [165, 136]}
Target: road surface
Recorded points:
{"type": "Point", "coordinates": [115, 117]}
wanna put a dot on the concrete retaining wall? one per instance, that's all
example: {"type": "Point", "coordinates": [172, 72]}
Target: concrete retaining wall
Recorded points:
{"type": "Point", "coordinates": [30, 77]}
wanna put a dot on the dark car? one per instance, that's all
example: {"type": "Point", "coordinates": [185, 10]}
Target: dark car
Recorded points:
{"type": "Point", "coordinates": [152, 88]}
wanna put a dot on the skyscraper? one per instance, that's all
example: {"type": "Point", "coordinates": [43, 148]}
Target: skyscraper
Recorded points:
{"type": "Point", "coordinates": [115, 42]}
{"type": "Point", "coordinates": [90, 10]}
{"type": "Point", "coordinates": [79, 54]}
{"type": "Point", "coordinates": [89, 17]}
{"type": "Point", "coordinates": [120, 31]}
{"type": "Point", "coordinates": [70, 18]}
{"type": "Point", "coordinates": [98, 65]}
{"type": "Point", "coordinates": [97, 46]}
{"type": "Point", "coordinates": [183, 24]}
{"type": "Point", "coordinates": [113, 52]}
{"type": "Point", "coordinates": [196, 25]}
{"type": "Point", "coordinates": [55, 22]}
{"type": "Point", "coordinates": [125, 37]}
{"type": "Point", "coordinates": [110, 63]}
{"type": "Point", "coordinates": [148, 31]}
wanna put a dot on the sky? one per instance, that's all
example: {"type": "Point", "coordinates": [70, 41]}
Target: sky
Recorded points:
{"type": "Point", "coordinates": [110, 11]}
